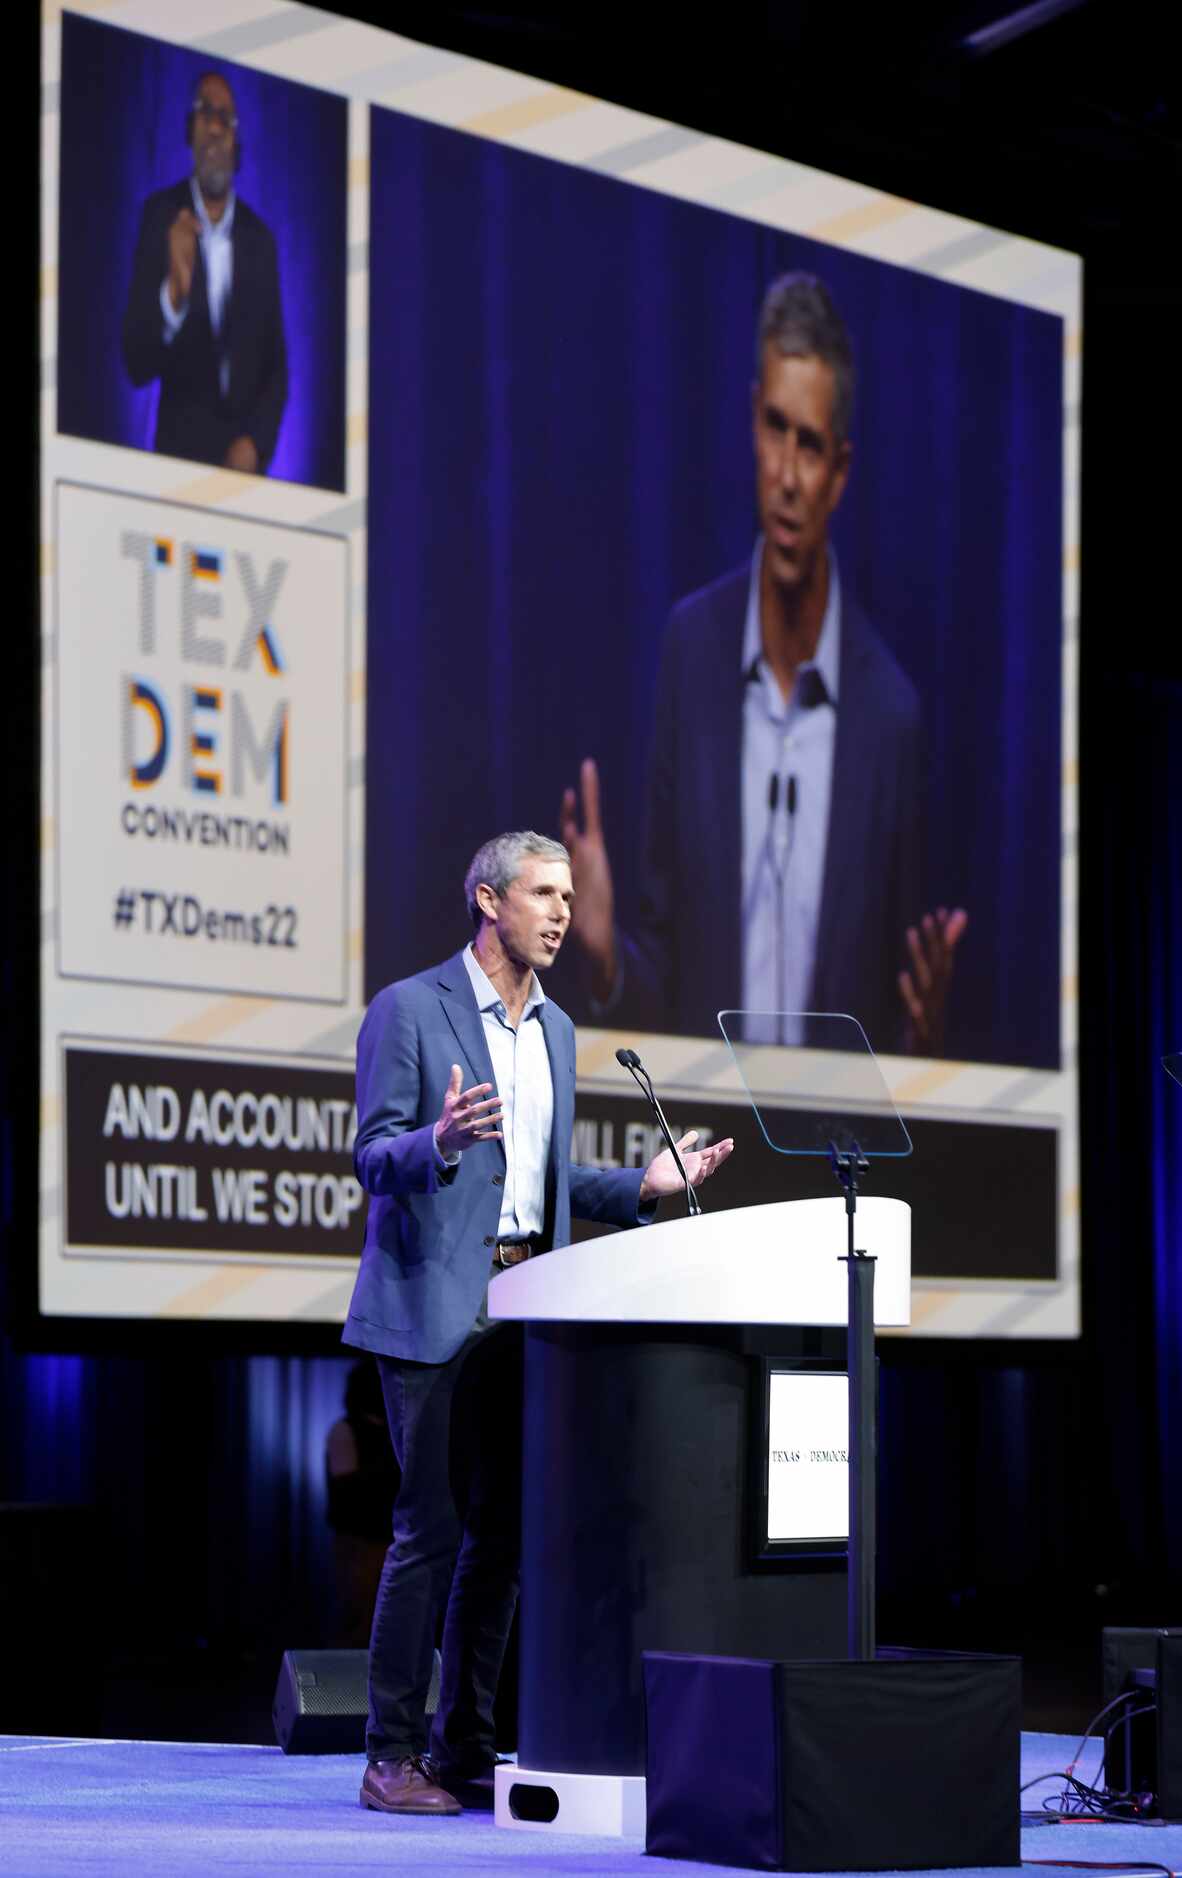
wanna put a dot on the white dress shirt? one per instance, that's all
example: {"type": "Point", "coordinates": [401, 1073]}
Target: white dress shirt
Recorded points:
{"type": "Point", "coordinates": [217, 252]}
{"type": "Point", "coordinates": [783, 853]}
{"type": "Point", "coordinates": [521, 1069]}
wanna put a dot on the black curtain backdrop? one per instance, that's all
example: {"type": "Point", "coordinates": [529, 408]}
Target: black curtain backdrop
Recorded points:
{"type": "Point", "coordinates": [1037, 1475]}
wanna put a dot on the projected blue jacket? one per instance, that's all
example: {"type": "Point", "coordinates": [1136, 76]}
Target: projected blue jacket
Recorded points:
{"type": "Point", "coordinates": [429, 1236]}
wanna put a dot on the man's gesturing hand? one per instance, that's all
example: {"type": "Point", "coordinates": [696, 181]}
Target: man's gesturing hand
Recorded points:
{"type": "Point", "coordinates": [466, 1118]}
{"type": "Point", "coordinates": [924, 989]}
{"type": "Point", "coordinates": [593, 914]}
{"type": "Point", "coordinates": [182, 257]}
{"type": "Point", "coordinates": [661, 1175]}
{"type": "Point", "coordinates": [242, 455]}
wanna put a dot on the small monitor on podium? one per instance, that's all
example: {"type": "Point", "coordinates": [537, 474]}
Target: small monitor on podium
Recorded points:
{"type": "Point", "coordinates": [816, 1088]}
{"type": "Point", "coordinates": [804, 1506]}
{"type": "Point", "coordinates": [814, 1083]}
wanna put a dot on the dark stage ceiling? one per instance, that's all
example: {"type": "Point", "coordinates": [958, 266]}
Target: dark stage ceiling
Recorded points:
{"type": "Point", "coordinates": [1058, 119]}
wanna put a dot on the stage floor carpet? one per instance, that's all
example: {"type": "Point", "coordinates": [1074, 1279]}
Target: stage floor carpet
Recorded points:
{"type": "Point", "coordinates": [162, 1807]}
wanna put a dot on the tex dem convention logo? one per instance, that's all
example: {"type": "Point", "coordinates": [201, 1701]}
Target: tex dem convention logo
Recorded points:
{"type": "Point", "coordinates": [209, 612]}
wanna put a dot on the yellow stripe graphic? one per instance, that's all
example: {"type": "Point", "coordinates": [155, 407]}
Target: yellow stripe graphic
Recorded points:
{"type": "Point", "coordinates": [200, 1300]}
{"type": "Point", "coordinates": [861, 221]}
{"type": "Point", "coordinates": [224, 1016]}
{"type": "Point", "coordinates": [544, 108]}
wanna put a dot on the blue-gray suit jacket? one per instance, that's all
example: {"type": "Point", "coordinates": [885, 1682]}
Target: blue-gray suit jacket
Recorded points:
{"type": "Point", "coordinates": [429, 1235]}
{"type": "Point", "coordinates": [683, 958]}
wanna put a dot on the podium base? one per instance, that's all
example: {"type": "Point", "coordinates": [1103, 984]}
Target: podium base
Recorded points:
{"type": "Point", "coordinates": [602, 1806]}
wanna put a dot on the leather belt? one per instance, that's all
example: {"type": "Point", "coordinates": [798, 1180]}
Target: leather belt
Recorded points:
{"type": "Point", "coordinates": [513, 1252]}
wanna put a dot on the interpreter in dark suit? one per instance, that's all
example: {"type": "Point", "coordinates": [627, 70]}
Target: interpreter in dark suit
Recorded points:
{"type": "Point", "coordinates": [203, 312]}
{"type": "Point", "coordinates": [781, 865]}
{"type": "Point", "coordinates": [465, 1106]}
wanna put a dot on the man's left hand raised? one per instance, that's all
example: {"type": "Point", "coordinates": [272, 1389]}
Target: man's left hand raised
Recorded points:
{"type": "Point", "coordinates": [243, 456]}
{"type": "Point", "coordinates": [924, 987]}
{"type": "Point", "coordinates": [661, 1176]}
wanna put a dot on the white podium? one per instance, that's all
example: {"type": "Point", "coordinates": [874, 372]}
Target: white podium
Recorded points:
{"type": "Point", "coordinates": [639, 1354]}
{"type": "Point", "coordinates": [775, 1264]}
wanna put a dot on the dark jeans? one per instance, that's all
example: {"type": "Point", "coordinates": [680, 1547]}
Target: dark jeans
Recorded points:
{"type": "Point", "coordinates": [456, 1429]}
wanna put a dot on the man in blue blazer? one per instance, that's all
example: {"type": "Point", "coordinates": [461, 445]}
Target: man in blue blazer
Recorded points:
{"type": "Point", "coordinates": [465, 1105]}
{"type": "Point", "coordinates": [782, 849]}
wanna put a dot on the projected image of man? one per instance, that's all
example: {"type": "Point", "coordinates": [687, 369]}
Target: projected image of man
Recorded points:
{"type": "Point", "coordinates": [203, 313]}
{"type": "Point", "coordinates": [781, 865]}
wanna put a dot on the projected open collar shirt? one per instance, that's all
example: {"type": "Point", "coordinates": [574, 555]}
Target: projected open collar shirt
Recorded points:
{"type": "Point", "coordinates": [217, 252]}
{"type": "Point", "coordinates": [521, 1067]}
{"type": "Point", "coordinates": [784, 855]}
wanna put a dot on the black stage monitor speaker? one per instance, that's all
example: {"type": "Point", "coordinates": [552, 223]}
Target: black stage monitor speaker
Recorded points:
{"type": "Point", "coordinates": [1143, 1754]}
{"type": "Point", "coordinates": [908, 1761]}
{"type": "Point", "coordinates": [1169, 1725]}
{"type": "Point", "coordinates": [1125, 1648]}
{"type": "Point", "coordinates": [321, 1701]}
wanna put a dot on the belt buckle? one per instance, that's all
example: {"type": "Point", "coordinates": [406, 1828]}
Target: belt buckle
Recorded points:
{"type": "Point", "coordinates": [514, 1253]}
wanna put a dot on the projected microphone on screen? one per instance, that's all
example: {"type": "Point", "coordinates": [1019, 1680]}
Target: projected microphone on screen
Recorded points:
{"type": "Point", "coordinates": [203, 313]}
{"type": "Point", "coordinates": [774, 670]}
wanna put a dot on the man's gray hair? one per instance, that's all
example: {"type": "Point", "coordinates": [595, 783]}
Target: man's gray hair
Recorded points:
{"type": "Point", "coordinates": [800, 320]}
{"type": "Point", "coordinates": [498, 863]}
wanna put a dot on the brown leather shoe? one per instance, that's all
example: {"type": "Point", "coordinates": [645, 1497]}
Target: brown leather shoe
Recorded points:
{"type": "Point", "coordinates": [405, 1786]}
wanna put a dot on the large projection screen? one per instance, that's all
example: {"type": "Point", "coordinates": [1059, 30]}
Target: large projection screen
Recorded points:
{"type": "Point", "coordinates": [491, 344]}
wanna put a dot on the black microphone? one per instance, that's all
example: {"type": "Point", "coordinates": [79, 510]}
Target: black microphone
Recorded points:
{"type": "Point", "coordinates": [628, 1059]}
{"type": "Point", "coordinates": [780, 836]}
{"type": "Point", "coordinates": [779, 844]}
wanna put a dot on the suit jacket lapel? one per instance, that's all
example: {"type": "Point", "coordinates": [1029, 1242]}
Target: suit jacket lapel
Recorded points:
{"type": "Point", "coordinates": [199, 292]}
{"type": "Point", "coordinates": [239, 294]}
{"type": "Point", "coordinates": [724, 757]}
{"type": "Point", "coordinates": [562, 1083]}
{"type": "Point", "coordinates": [712, 775]}
{"type": "Point", "coordinates": [847, 842]}
{"type": "Point", "coordinates": [460, 1009]}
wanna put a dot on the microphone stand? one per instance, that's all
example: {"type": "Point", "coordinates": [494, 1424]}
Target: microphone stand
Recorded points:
{"type": "Point", "coordinates": [629, 1060]}
{"type": "Point", "coordinates": [778, 859]}
{"type": "Point", "coordinates": [848, 1164]}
